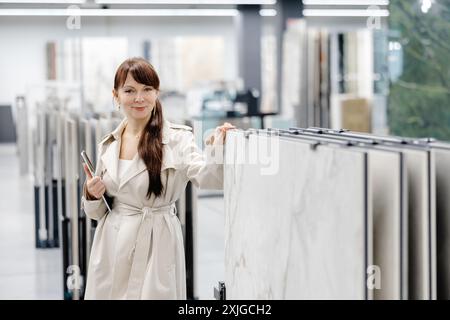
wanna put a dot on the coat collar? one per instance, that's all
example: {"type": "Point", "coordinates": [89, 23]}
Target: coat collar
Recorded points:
{"type": "Point", "coordinates": [110, 157]}
{"type": "Point", "coordinates": [117, 133]}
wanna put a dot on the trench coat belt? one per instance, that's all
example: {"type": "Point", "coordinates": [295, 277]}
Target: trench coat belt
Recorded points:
{"type": "Point", "coordinates": [139, 253]}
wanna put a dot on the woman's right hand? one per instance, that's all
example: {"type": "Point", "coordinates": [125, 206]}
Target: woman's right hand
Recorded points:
{"type": "Point", "coordinates": [94, 185]}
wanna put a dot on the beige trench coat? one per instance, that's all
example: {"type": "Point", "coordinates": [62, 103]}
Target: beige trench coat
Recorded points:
{"type": "Point", "coordinates": [138, 250]}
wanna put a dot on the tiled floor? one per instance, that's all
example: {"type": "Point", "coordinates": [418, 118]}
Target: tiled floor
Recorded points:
{"type": "Point", "coordinates": [211, 246]}
{"type": "Point", "coordinates": [30, 273]}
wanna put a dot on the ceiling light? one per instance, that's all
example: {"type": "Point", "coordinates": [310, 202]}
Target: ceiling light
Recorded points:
{"type": "Point", "coordinates": [42, 1]}
{"type": "Point", "coordinates": [122, 12]}
{"type": "Point", "coordinates": [347, 2]}
{"type": "Point", "coordinates": [344, 13]}
{"type": "Point", "coordinates": [268, 12]}
{"type": "Point", "coordinates": [209, 2]}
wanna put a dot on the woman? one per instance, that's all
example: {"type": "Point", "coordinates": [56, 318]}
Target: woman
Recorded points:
{"type": "Point", "coordinates": [144, 165]}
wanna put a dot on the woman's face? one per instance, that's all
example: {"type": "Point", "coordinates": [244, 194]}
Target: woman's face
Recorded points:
{"type": "Point", "coordinates": [137, 100]}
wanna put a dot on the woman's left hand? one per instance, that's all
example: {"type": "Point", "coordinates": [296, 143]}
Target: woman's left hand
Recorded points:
{"type": "Point", "coordinates": [220, 131]}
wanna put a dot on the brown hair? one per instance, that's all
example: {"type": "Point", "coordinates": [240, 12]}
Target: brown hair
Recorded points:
{"type": "Point", "coordinates": [150, 146]}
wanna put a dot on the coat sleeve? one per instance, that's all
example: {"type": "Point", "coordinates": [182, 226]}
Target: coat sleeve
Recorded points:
{"type": "Point", "coordinates": [94, 209]}
{"type": "Point", "coordinates": [205, 168]}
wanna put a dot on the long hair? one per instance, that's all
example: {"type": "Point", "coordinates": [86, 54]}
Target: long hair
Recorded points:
{"type": "Point", "coordinates": [150, 146]}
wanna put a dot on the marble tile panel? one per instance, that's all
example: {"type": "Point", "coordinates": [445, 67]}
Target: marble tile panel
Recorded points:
{"type": "Point", "coordinates": [299, 233]}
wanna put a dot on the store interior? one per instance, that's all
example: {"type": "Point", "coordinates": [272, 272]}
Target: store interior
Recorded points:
{"type": "Point", "coordinates": [377, 68]}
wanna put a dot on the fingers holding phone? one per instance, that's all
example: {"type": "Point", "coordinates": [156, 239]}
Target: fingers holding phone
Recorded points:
{"type": "Point", "coordinates": [86, 171]}
{"type": "Point", "coordinates": [95, 186]}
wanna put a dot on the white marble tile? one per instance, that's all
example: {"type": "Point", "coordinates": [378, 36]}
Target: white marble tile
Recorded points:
{"type": "Point", "coordinates": [299, 233]}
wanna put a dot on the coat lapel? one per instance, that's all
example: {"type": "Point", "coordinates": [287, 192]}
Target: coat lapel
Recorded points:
{"type": "Point", "coordinates": [110, 157]}
{"type": "Point", "coordinates": [110, 160]}
{"type": "Point", "coordinates": [138, 165]}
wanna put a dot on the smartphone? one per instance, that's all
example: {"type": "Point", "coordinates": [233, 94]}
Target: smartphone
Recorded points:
{"type": "Point", "coordinates": [91, 169]}
{"type": "Point", "coordinates": [88, 162]}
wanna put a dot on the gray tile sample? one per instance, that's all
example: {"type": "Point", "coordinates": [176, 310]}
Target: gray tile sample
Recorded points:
{"type": "Point", "coordinates": [387, 205]}
{"type": "Point", "coordinates": [386, 198]}
{"type": "Point", "coordinates": [441, 156]}
{"type": "Point", "coordinates": [421, 189]}
{"type": "Point", "coordinates": [421, 248]}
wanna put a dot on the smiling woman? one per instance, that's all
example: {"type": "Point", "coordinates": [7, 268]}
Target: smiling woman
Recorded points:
{"type": "Point", "coordinates": [138, 250]}
{"type": "Point", "coordinates": [135, 96]}
{"type": "Point", "coordinates": [136, 89]}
